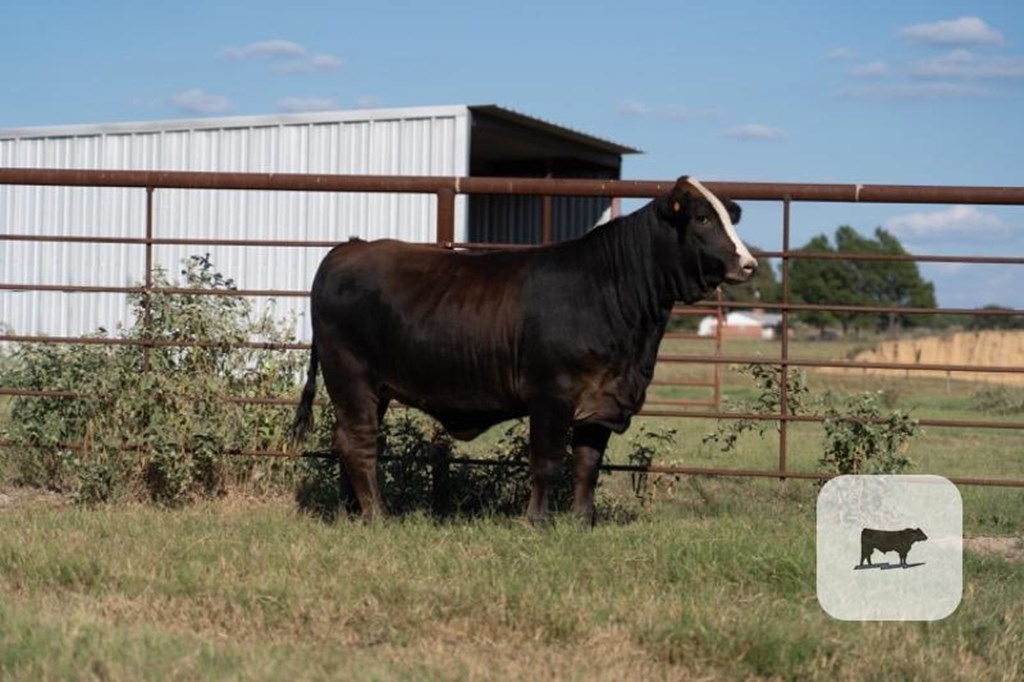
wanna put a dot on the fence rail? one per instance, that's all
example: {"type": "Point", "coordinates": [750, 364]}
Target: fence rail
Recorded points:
{"type": "Point", "coordinates": [445, 189]}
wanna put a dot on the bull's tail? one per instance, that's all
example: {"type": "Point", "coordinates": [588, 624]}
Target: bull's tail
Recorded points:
{"type": "Point", "coordinates": [304, 412]}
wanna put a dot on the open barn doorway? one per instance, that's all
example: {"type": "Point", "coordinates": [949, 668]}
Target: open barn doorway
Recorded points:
{"type": "Point", "coordinates": [504, 143]}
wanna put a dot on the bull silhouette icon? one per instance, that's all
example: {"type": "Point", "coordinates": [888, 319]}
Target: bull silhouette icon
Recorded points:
{"type": "Point", "coordinates": [899, 541]}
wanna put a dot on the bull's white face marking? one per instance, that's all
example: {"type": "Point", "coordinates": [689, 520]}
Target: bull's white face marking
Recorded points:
{"type": "Point", "coordinates": [747, 262]}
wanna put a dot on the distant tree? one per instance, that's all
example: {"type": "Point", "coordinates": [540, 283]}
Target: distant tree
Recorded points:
{"type": "Point", "coordinates": [898, 283]}
{"type": "Point", "coordinates": [981, 320]}
{"type": "Point", "coordinates": [859, 282]}
{"type": "Point", "coordinates": [817, 281]}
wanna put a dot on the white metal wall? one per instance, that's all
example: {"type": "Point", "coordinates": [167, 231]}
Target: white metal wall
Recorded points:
{"type": "Point", "coordinates": [421, 141]}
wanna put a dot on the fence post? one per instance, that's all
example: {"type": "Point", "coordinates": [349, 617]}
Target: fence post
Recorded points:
{"type": "Point", "coordinates": [784, 351]}
{"type": "Point", "coordinates": [440, 474]}
{"type": "Point", "coordinates": [546, 217]}
{"type": "Point", "coordinates": [445, 216]}
{"type": "Point", "coordinates": [546, 213]}
{"type": "Point", "coordinates": [148, 281]}
{"type": "Point", "coordinates": [719, 323]}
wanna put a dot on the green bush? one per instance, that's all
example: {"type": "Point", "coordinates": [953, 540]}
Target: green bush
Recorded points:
{"type": "Point", "coordinates": [645, 446]}
{"type": "Point", "coordinates": [768, 380]}
{"type": "Point", "coordinates": [861, 437]}
{"type": "Point", "coordinates": [156, 434]}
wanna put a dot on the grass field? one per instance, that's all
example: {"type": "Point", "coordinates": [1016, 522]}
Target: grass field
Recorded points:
{"type": "Point", "coordinates": [715, 580]}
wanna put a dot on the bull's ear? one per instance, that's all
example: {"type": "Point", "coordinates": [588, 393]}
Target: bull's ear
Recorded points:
{"type": "Point", "coordinates": [734, 211]}
{"type": "Point", "coordinates": [674, 205]}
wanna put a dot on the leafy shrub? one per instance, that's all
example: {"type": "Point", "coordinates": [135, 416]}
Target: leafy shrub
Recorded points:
{"type": "Point", "coordinates": [156, 434]}
{"type": "Point", "coordinates": [860, 437]}
{"type": "Point", "coordinates": [644, 447]}
{"type": "Point", "coordinates": [768, 380]}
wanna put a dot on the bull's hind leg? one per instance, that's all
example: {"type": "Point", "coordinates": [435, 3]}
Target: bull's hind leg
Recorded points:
{"type": "Point", "coordinates": [549, 426]}
{"type": "Point", "coordinates": [357, 413]}
{"type": "Point", "coordinates": [588, 444]}
{"type": "Point", "coordinates": [355, 444]}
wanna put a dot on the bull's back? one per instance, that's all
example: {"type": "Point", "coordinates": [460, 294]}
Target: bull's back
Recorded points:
{"type": "Point", "coordinates": [438, 328]}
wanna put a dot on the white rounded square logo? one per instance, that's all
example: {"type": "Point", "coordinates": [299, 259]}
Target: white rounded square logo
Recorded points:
{"type": "Point", "coordinates": [889, 547]}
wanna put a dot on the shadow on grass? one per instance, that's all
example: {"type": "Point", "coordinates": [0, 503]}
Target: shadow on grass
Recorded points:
{"type": "Point", "coordinates": [887, 566]}
{"type": "Point", "coordinates": [409, 488]}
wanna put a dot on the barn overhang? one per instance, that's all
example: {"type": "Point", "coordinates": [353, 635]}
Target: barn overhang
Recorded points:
{"type": "Point", "coordinates": [504, 142]}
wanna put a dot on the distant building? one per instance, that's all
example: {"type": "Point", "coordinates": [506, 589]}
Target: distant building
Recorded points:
{"type": "Point", "coordinates": [457, 140]}
{"type": "Point", "coordinates": [743, 324]}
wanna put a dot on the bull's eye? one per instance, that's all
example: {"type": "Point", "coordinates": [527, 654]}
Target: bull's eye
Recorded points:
{"type": "Point", "coordinates": [703, 220]}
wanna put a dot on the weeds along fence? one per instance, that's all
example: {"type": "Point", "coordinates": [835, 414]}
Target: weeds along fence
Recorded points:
{"type": "Point", "coordinates": [446, 189]}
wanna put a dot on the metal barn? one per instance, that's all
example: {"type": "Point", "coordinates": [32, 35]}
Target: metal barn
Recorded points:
{"type": "Point", "coordinates": [433, 141]}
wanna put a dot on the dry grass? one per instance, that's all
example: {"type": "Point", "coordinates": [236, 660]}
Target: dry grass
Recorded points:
{"type": "Point", "coordinates": [717, 582]}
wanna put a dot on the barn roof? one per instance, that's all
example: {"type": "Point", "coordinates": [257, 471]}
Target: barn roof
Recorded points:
{"type": "Point", "coordinates": [502, 141]}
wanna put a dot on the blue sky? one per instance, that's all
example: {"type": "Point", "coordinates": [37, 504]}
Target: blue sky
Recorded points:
{"type": "Point", "coordinates": [870, 92]}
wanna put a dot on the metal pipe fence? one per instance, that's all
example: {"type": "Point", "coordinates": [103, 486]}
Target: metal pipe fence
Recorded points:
{"type": "Point", "coordinates": [445, 189]}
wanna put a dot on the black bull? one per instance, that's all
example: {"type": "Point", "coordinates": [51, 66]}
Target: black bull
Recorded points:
{"type": "Point", "coordinates": [565, 334]}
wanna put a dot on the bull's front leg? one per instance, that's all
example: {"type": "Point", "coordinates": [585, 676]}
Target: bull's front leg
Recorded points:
{"type": "Point", "coordinates": [588, 444]}
{"type": "Point", "coordinates": [549, 426]}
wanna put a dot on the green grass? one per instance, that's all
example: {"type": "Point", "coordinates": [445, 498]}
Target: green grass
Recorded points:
{"type": "Point", "coordinates": [717, 581]}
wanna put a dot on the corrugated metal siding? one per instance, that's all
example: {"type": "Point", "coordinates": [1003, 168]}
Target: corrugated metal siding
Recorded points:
{"type": "Point", "coordinates": [420, 143]}
{"type": "Point", "coordinates": [517, 220]}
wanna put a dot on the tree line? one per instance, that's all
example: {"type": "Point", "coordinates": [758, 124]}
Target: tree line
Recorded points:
{"type": "Point", "coordinates": [841, 278]}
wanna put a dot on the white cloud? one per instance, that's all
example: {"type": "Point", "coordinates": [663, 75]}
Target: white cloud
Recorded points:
{"type": "Point", "coordinates": [266, 48]}
{"type": "Point", "coordinates": [755, 131]}
{"type": "Point", "coordinates": [289, 57]}
{"type": "Point", "coordinates": [915, 91]}
{"type": "Point", "coordinates": [310, 64]}
{"type": "Point", "coordinates": [963, 63]}
{"type": "Point", "coordinates": [962, 31]}
{"type": "Point", "coordinates": [299, 104]}
{"type": "Point", "coordinates": [197, 101]}
{"type": "Point", "coordinates": [955, 222]}
{"type": "Point", "coordinates": [670, 112]}
{"type": "Point", "coordinates": [841, 54]}
{"type": "Point", "coordinates": [873, 69]}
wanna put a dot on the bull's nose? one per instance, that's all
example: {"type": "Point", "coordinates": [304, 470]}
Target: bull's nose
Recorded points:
{"type": "Point", "coordinates": [749, 267]}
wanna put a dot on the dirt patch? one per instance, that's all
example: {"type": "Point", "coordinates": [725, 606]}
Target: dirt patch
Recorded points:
{"type": "Point", "coordinates": [976, 349]}
{"type": "Point", "coordinates": [1010, 548]}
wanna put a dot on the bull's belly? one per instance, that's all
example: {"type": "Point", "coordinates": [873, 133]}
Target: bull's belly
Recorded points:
{"type": "Point", "coordinates": [467, 408]}
{"type": "Point", "coordinates": [464, 414]}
